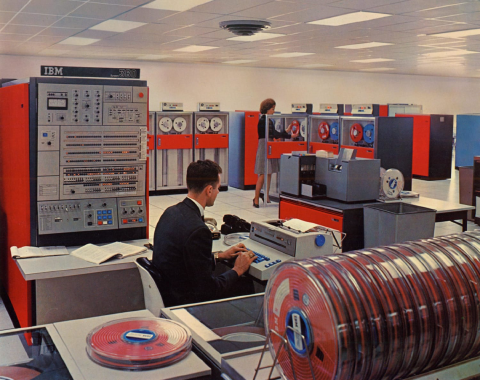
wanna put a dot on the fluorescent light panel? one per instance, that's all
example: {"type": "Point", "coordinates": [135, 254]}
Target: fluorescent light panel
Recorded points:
{"type": "Point", "coordinates": [195, 48]}
{"type": "Point", "coordinates": [373, 60]}
{"type": "Point", "coordinates": [153, 57]}
{"type": "Point", "coordinates": [448, 53]}
{"type": "Point", "coordinates": [290, 55]}
{"type": "Point", "coordinates": [117, 25]}
{"type": "Point", "coordinates": [378, 69]}
{"type": "Point", "coordinates": [81, 41]}
{"type": "Point", "coordinates": [256, 37]}
{"type": "Point", "coordinates": [240, 61]}
{"type": "Point", "coordinates": [349, 18]}
{"type": "Point", "coordinates": [175, 5]}
{"type": "Point", "coordinates": [366, 45]}
{"type": "Point", "coordinates": [314, 65]}
{"type": "Point", "coordinates": [457, 34]}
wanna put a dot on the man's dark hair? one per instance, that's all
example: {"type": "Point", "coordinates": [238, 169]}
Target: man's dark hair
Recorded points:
{"type": "Point", "coordinates": [201, 174]}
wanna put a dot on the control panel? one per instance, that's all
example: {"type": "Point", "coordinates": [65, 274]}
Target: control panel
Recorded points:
{"type": "Point", "coordinates": [212, 106]}
{"type": "Point", "coordinates": [91, 156]}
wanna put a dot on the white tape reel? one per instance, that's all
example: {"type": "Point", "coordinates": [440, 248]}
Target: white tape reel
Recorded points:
{"type": "Point", "coordinates": [203, 124]}
{"type": "Point", "coordinates": [179, 124]}
{"type": "Point", "coordinates": [216, 124]}
{"type": "Point", "coordinates": [303, 128]}
{"type": "Point", "coordinates": [165, 124]}
{"type": "Point", "coordinates": [392, 183]}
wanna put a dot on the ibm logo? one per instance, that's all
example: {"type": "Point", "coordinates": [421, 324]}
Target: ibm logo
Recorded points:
{"type": "Point", "coordinates": [53, 71]}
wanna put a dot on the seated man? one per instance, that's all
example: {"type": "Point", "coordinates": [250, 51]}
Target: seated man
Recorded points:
{"type": "Point", "coordinates": [182, 246]}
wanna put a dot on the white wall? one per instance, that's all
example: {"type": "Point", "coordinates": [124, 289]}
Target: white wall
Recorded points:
{"type": "Point", "coordinates": [244, 88]}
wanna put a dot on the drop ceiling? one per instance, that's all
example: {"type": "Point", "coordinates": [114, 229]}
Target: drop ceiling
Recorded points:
{"type": "Point", "coordinates": [398, 37]}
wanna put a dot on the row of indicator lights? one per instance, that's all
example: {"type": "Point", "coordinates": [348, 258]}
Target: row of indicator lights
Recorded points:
{"type": "Point", "coordinates": [127, 221]}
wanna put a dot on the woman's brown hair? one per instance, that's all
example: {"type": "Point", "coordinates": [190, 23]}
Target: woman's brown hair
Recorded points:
{"type": "Point", "coordinates": [266, 105]}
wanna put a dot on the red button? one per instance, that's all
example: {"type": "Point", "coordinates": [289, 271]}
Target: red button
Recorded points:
{"type": "Point", "coordinates": [124, 221]}
{"type": "Point", "coordinates": [140, 94]}
{"type": "Point", "coordinates": [100, 223]}
{"type": "Point", "coordinates": [139, 203]}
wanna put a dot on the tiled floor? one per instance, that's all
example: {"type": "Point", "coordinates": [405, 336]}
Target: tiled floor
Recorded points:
{"type": "Point", "coordinates": [239, 202]}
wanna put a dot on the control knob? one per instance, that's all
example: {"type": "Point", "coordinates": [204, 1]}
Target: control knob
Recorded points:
{"type": "Point", "coordinates": [104, 204]}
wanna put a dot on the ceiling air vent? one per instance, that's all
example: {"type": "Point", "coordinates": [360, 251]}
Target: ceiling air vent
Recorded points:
{"type": "Point", "coordinates": [245, 27]}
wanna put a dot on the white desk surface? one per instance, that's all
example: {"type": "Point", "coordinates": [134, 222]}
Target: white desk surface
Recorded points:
{"type": "Point", "coordinates": [243, 367]}
{"type": "Point", "coordinates": [41, 268]}
{"type": "Point", "coordinates": [436, 204]}
{"type": "Point", "coordinates": [74, 334]}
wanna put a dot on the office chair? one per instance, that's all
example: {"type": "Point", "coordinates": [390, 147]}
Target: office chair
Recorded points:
{"type": "Point", "coordinates": [151, 282]}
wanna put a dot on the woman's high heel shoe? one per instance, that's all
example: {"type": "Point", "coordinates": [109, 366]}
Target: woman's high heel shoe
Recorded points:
{"type": "Point", "coordinates": [256, 205]}
{"type": "Point", "coordinates": [262, 197]}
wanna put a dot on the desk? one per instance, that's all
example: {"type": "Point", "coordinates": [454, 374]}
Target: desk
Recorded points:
{"type": "Point", "coordinates": [348, 217]}
{"type": "Point", "coordinates": [66, 287]}
{"type": "Point", "coordinates": [446, 210]}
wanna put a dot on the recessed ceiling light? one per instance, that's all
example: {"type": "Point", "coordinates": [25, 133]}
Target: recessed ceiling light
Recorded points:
{"type": "Point", "coordinates": [290, 55]}
{"type": "Point", "coordinates": [175, 5]}
{"type": "Point", "coordinates": [372, 60]}
{"type": "Point", "coordinates": [78, 41]}
{"type": "Point", "coordinates": [195, 48]}
{"type": "Point", "coordinates": [366, 45]}
{"type": "Point", "coordinates": [117, 25]}
{"type": "Point", "coordinates": [457, 34]}
{"type": "Point", "coordinates": [449, 53]}
{"type": "Point", "coordinates": [256, 37]}
{"type": "Point", "coordinates": [378, 69]}
{"type": "Point", "coordinates": [240, 61]}
{"type": "Point", "coordinates": [152, 57]}
{"type": "Point", "coordinates": [349, 18]}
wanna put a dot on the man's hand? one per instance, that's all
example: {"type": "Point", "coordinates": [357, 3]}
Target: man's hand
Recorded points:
{"type": "Point", "coordinates": [243, 262]}
{"type": "Point", "coordinates": [232, 252]}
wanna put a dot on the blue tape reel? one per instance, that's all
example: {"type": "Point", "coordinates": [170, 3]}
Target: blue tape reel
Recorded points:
{"type": "Point", "coordinates": [334, 131]}
{"type": "Point", "coordinates": [369, 133]}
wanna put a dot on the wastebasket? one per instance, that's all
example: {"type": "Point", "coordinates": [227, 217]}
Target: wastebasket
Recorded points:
{"type": "Point", "coordinates": [465, 174]}
{"type": "Point", "coordinates": [388, 223]}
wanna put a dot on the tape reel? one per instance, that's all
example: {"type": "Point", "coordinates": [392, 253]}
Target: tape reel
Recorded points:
{"type": "Point", "coordinates": [392, 183]}
{"type": "Point", "coordinates": [369, 133]}
{"type": "Point", "coordinates": [295, 126]}
{"type": "Point", "coordinates": [179, 124]}
{"type": "Point", "coordinates": [356, 132]}
{"type": "Point", "coordinates": [303, 129]}
{"type": "Point", "coordinates": [324, 130]}
{"type": "Point", "coordinates": [165, 124]}
{"type": "Point", "coordinates": [203, 124]}
{"type": "Point", "coordinates": [216, 124]}
{"type": "Point", "coordinates": [334, 131]}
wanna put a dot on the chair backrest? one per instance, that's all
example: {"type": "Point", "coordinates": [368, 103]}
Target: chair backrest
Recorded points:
{"type": "Point", "coordinates": [151, 282]}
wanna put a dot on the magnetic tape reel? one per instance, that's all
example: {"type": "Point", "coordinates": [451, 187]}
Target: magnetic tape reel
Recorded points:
{"type": "Point", "coordinates": [216, 124]}
{"type": "Point", "coordinates": [203, 124]}
{"type": "Point", "coordinates": [165, 124]}
{"type": "Point", "coordinates": [303, 129]}
{"type": "Point", "coordinates": [356, 132]}
{"type": "Point", "coordinates": [295, 126]}
{"type": "Point", "coordinates": [334, 131]}
{"type": "Point", "coordinates": [324, 130]}
{"type": "Point", "coordinates": [391, 184]}
{"type": "Point", "coordinates": [179, 124]}
{"type": "Point", "coordinates": [369, 133]}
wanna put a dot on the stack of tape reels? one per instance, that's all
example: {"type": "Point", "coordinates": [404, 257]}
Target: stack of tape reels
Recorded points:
{"type": "Point", "coordinates": [136, 344]}
{"type": "Point", "coordinates": [378, 313]}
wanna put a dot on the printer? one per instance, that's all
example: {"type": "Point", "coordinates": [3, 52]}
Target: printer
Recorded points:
{"type": "Point", "coordinates": [347, 178]}
{"type": "Point", "coordinates": [277, 241]}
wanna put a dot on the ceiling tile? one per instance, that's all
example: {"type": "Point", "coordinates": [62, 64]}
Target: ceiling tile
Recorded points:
{"type": "Point", "coordinates": [76, 22]}
{"type": "Point", "coordinates": [6, 17]}
{"type": "Point", "coordinates": [54, 7]}
{"type": "Point", "coordinates": [412, 6]}
{"type": "Point", "coordinates": [199, 41]}
{"type": "Point", "coordinates": [144, 15]}
{"type": "Point", "coordinates": [271, 9]}
{"type": "Point", "coordinates": [191, 31]}
{"type": "Point", "coordinates": [226, 7]}
{"type": "Point", "coordinates": [21, 29]}
{"type": "Point", "coordinates": [449, 10]}
{"type": "Point", "coordinates": [100, 34]}
{"type": "Point", "coordinates": [46, 39]}
{"type": "Point", "coordinates": [312, 14]}
{"type": "Point", "coordinates": [361, 5]}
{"type": "Point", "coordinates": [62, 32]}
{"type": "Point", "coordinates": [187, 18]}
{"type": "Point", "coordinates": [152, 29]}
{"type": "Point", "coordinates": [35, 19]}
{"type": "Point", "coordinates": [100, 11]}
{"type": "Point", "coordinates": [12, 5]}
{"type": "Point", "coordinates": [14, 37]}
{"type": "Point", "coordinates": [133, 3]}
{"type": "Point", "coordinates": [135, 37]}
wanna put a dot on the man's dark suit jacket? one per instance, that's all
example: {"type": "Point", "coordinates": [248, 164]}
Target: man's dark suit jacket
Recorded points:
{"type": "Point", "coordinates": [182, 252]}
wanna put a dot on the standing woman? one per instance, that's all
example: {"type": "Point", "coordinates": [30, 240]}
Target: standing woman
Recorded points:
{"type": "Point", "coordinates": [267, 107]}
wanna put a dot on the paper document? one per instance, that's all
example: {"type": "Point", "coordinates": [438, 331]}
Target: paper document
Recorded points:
{"type": "Point", "coordinates": [299, 225]}
{"type": "Point", "coordinates": [99, 254]}
{"type": "Point", "coordinates": [27, 252]}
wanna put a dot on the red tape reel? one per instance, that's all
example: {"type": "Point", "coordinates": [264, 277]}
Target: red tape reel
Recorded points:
{"type": "Point", "coordinates": [324, 130]}
{"type": "Point", "coordinates": [295, 126]}
{"type": "Point", "coordinates": [356, 132]}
